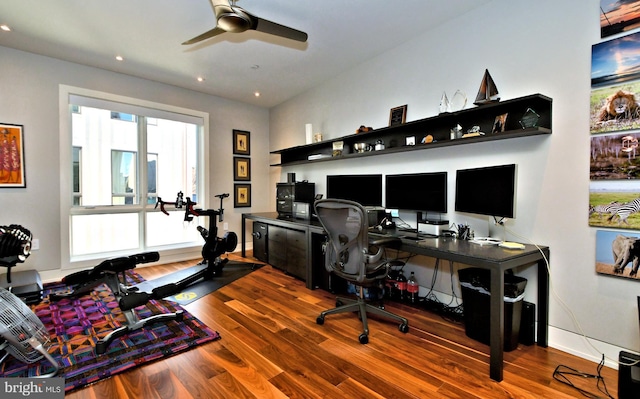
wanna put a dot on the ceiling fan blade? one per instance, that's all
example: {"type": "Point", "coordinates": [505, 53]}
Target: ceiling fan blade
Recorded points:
{"type": "Point", "coordinates": [266, 26]}
{"type": "Point", "coordinates": [211, 33]}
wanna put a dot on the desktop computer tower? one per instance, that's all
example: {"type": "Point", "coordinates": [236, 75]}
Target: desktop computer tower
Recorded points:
{"type": "Point", "coordinates": [628, 376]}
{"type": "Point", "coordinates": [288, 193]}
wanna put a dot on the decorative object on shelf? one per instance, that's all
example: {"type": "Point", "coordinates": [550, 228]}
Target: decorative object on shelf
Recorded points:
{"type": "Point", "coordinates": [317, 137]}
{"type": "Point", "coordinates": [410, 140]}
{"type": "Point", "coordinates": [445, 105]}
{"type": "Point", "coordinates": [242, 195]}
{"type": "Point", "coordinates": [499, 123]}
{"type": "Point", "coordinates": [338, 146]}
{"type": "Point", "coordinates": [12, 172]}
{"type": "Point", "coordinates": [458, 101]}
{"type": "Point", "coordinates": [456, 132]}
{"type": "Point", "coordinates": [427, 139]}
{"type": "Point", "coordinates": [361, 147]}
{"type": "Point", "coordinates": [308, 130]}
{"type": "Point", "coordinates": [364, 129]}
{"type": "Point", "coordinates": [241, 142]}
{"type": "Point", "coordinates": [529, 119]}
{"type": "Point", "coordinates": [398, 115]}
{"type": "Point", "coordinates": [379, 145]}
{"type": "Point", "coordinates": [473, 132]}
{"type": "Point", "coordinates": [241, 169]}
{"type": "Point", "coordinates": [488, 92]}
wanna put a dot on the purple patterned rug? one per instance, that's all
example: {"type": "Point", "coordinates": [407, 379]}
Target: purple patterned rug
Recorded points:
{"type": "Point", "coordinates": [75, 325]}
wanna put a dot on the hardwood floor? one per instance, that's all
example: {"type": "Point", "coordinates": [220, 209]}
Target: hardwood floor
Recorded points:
{"type": "Point", "coordinates": [271, 347]}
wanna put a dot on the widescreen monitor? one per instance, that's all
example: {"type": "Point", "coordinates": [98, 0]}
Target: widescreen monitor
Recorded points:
{"type": "Point", "coordinates": [363, 189]}
{"type": "Point", "coordinates": [425, 192]}
{"type": "Point", "coordinates": [487, 191]}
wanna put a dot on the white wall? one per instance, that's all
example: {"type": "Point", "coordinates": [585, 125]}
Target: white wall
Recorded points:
{"type": "Point", "coordinates": [528, 47]}
{"type": "Point", "coordinates": [30, 85]}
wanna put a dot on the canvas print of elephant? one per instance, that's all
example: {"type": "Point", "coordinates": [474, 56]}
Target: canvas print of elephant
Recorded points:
{"type": "Point", "coordinates": [617, 253]}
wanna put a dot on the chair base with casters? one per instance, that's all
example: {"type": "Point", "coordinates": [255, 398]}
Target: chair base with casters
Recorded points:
{"type": "Point", "coordinates": [350, 255]}
{"type": "Point", "coordinates": [361, 306]}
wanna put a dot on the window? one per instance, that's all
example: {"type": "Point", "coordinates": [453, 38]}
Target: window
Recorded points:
{"type": "Point", "coordinates": [123, 154]}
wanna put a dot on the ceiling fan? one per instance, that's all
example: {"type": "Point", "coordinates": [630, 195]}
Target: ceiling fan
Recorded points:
{"type": "Point", "coordinates": [234, 19]}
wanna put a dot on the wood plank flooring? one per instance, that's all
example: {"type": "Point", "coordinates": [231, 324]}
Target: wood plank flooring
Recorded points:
{"type": "Point", "coordinates": [271, 347]}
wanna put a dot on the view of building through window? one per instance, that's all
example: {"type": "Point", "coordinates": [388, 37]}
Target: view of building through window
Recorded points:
{"type": "Point", "coordinates": [121, 164]}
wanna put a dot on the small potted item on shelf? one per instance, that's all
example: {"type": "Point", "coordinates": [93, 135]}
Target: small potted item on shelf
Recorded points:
{"type": "Point", "coordinates": [337, 148]}
{"type": "Point", "coordinates": [379, 145]}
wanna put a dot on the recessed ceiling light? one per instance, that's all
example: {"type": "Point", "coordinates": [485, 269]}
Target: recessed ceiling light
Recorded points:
{"type": "Point", "coordinates": [200, 79]}
{"type": "Point", "coordinates": [257, 94]}
{"type": "Point", "coordinates": [119, 58]}
{"type": "Point", "coordinates": [5, 28]}
{"type": "Point", "coordinates": [255, 66]}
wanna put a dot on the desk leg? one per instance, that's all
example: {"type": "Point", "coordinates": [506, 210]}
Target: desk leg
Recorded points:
{"type": "Point", "coordinates": [543, 303]}
{"type": "Point", "coordinates": [244, 236]}
{"type": "Point", "coordinates": [496, 324]}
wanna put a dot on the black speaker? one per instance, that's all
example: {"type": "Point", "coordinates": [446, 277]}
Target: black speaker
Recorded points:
{"type": "Point", "coordinates": [528, 324]}
{"type": "Point", "coordinates": [628, 376]}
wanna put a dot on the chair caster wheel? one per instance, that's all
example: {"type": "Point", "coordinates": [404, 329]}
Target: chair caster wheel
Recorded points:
{"type": "Point", "coordinates": [403, 328]}
{"type": "Point", "coordinates": [363, 338]}
{"type": "Point", "coordinates": [320, 320]}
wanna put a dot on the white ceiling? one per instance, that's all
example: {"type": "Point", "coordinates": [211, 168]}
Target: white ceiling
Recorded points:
{"type": "Point", "coordinates": [149, 33]}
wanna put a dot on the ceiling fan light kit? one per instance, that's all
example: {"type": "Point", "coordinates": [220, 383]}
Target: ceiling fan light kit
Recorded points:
{"type": "Point", "coordinates": [231, 18]}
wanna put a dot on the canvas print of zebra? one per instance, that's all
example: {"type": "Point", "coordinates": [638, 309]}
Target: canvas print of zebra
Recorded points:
{"type": "Point", "coordinates": [617, 253]}
{"type": "Point", "coordinates": [615, 204]}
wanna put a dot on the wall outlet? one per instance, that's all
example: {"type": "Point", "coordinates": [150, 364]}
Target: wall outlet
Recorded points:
{"type": "Point", "coordinates": [225, 226]}
{"type": "Point", "coordinates": [35, 244]}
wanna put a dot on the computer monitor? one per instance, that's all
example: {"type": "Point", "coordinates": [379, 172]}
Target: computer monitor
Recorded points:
{"type": "Point", "coordinates": [417, 192]}
{"type": "Point", "coordinates": [487, 191]}
{"type": "Point", "coordinates": [363, 189]}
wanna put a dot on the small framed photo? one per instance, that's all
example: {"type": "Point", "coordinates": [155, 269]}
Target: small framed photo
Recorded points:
{"type": "Point", "coordinates": [241, 169]}
{"type": "Point", "coordinates": [410, 140]}
{"type": "Point", "coordinates": [241, 142]}
{"type": "Point", "coordinates": [398, 115]}
{"type": "Point", "coordinates": [499, 123]}
{"type": "Point", "coordinates": [12, 151]}
{"type": "Point", "coordinates": [242, 195]}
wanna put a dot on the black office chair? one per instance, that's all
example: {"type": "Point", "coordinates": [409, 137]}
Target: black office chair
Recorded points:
{"type": "Point", "coordinates": [347, 255]}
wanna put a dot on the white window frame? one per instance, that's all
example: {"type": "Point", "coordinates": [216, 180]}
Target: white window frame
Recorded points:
{"type": "Point", "coordinates": [66, 93]}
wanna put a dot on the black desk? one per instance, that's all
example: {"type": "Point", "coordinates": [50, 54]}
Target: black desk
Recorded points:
{"type": "Point", "coordinates": [490, 257]}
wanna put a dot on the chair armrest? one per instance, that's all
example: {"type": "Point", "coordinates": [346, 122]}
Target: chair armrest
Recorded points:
{"type": "Point", "coordinates": [385, 241]}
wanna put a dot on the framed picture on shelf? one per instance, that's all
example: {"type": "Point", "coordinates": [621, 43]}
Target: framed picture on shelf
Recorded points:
{"type": "Point", "coordinates": [241, 142]}
{"type": "Point", "coordinates": [241, 169]}
{"type": "Point", "coordinates": [12, 153]}
{"type": "Point", "coordinates": [398, 115]}
{"type": "Point", "coordinates": [499, 123]}
{"type": "Point", "coordinates": [242, 195]}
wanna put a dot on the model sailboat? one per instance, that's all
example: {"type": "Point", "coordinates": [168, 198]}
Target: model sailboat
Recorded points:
{"type": "Point", "coordinates": [488, 92]}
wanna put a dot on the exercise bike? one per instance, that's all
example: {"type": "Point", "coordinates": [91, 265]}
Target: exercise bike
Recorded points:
{"type": "Point", "coordinates": [112, 273]}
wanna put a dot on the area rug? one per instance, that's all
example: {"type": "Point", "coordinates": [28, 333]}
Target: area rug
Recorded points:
{"type": "Point", "coordinates": [75, 325]}
{"type": "Point", "coordinates": [232, 271]}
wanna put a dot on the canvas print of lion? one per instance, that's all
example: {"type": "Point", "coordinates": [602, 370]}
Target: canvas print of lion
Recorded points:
{"type": "Point", "coordinates": [617, 254]}
{"type": "Point", "coordinates": [615, 109]}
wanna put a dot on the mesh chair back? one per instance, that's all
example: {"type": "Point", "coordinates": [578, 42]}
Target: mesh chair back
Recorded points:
{"type": "Point", "coordinates": [346, 225]}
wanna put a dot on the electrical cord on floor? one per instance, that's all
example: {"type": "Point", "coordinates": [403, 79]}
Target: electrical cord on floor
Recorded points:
{"type": "Point", "coordinates": [563, 374]}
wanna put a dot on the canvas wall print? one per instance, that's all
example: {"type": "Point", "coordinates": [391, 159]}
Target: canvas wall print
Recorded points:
{"type": "Point", "coordinates": [617, 253]}
{"type": "Point", "coordinates": [615, 157]}
{"type": "Point", "coordinates": [615, 61]}
{"type": "Point", "coordinates": [12, 156]}
{"type": "Point", "coordinates": [615, 204]}
{"type": "Point", "coordinates": [618, 16]}
{"type": "Point", "coordinates": [615, 108]}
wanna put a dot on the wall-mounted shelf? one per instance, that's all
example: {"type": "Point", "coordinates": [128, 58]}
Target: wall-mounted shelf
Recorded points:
{"type": "Point", "coordinates": [394, 137]}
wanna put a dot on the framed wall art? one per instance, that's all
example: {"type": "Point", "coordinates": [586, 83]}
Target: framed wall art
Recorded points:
{"type": "Point", "coordinates": [241, 169]}
{"type": "Point", "coordinates": [12, 168]}
{"type": "Point", "coordinates": [398, 115]}
{"type": "Point", "coordinates": [241, 142]}
{"type": "Point", "coordinates": [242, 195]}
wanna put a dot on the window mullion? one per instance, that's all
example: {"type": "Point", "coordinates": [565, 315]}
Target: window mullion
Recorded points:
{"type": "Point", "coordinates": [142, 179]}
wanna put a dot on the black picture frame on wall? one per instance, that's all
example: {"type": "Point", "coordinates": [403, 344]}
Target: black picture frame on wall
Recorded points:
{"type": "Point", "coordinates": [241, 195]}
{"type": "Point", "coordinates": [241, 169]}
{"type": "Point", "coordinates": [241, 142]}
